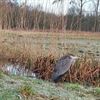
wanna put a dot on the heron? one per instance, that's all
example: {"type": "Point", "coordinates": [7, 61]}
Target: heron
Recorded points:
{"type": "Point", "coordinates": [62, 66]}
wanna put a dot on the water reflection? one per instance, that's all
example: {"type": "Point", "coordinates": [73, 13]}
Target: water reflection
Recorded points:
{"type": "Point", "coordinates": [18, 70]}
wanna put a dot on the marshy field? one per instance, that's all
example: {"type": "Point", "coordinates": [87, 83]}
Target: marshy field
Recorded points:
{"type": "Point", "coordinates": [38, 52]}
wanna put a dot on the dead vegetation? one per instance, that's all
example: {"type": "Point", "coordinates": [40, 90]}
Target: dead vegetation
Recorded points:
{"type": "Point", "coordinates": [44, 66]}
{"type": "Point", "coordinates": [85, 71]}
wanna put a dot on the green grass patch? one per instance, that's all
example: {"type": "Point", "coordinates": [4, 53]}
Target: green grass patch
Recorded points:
{"type": "Point", "coordinates": [96, 91]}
{"type": "Point", "coordinates": [1, 75]}
{"type": "Point", "coordinates": [9, 95]}
{"type": "Point", "coordinates": [26, 90]}
{"type": "Point", "coordinates": [72, 86]}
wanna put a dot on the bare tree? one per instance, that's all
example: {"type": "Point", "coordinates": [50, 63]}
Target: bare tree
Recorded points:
{"type": "Point", "coordinates": [79, 4]}
{"type": "Point", "coordinates": [14, 16]}
{"type": "Point", "coordinates": [72, 13]}
{"type": "Point", "coordinates": [62, 14]}
{"type": "Point", "coordinates": [96, 4]}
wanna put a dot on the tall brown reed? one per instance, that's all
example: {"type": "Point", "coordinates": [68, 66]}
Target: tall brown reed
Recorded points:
{"type": "Point", "coordinates": [86, 71]}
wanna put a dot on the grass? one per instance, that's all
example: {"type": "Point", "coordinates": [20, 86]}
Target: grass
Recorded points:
{"type": "Point", "coordinates": [1, 76]}
{"type": "Point", "coordinates": [9, 95]}
{"type": "Point", "coordinates": [55, 44]}
{"type": "Point", "coordinates": [26, 91]}
{"type": "Point", "coordinates": [40, 51]}
{"type": "Point", "coordinates": [25, 88]}
{"type": "Point", "coordinates": [76, 87]}
{"type": "Point", "coordinates": [27, 45]}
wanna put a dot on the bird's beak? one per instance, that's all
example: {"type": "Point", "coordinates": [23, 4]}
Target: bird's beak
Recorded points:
{"type": "Point", "coordinates": [74, 57]}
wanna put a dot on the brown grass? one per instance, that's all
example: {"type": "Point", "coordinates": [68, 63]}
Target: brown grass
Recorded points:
{"type": "Point", "coordinates": [86, 71]}
{"type": "Point", "coordinates": [44, 66]}
{"type": "Point", "coordinates": [18, 47]}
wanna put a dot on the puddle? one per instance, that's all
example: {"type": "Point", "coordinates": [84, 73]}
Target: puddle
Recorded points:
{"type": "Point", "coordinates": [17, 70]}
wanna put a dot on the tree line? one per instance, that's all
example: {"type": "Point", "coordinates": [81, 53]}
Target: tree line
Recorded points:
{"type": "Point", "coordinates": [15, 16]}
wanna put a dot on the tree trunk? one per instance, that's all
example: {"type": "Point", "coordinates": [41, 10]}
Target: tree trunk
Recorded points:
{"type": "Point", "coordinates": [96, 16]}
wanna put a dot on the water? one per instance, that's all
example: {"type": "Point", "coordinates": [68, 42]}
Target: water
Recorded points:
{"type": "Point", "coordinates": [17, 70]}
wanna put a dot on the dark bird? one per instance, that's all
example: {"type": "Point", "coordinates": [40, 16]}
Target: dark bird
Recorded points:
{"type": "Point", "coordinates": [62, 66]}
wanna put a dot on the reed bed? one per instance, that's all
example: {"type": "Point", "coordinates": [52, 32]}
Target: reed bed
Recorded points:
{"type": "Point", "coordinates": [86, 70]}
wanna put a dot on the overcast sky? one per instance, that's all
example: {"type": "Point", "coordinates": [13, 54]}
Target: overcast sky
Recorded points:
{"type": "Point", "coordinates": [56, 8]}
